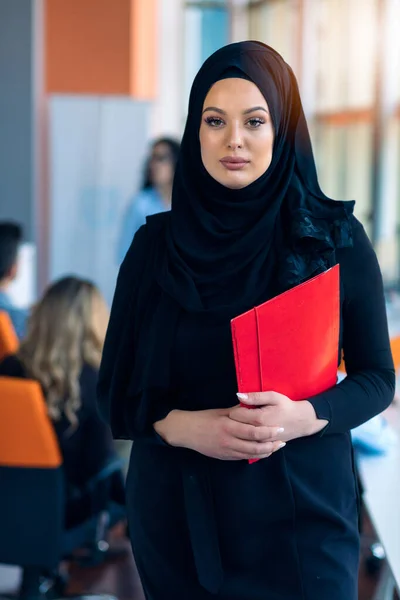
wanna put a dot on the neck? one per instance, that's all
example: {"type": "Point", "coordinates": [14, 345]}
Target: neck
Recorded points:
{"type": "Point", "coordinates": [165, 192]}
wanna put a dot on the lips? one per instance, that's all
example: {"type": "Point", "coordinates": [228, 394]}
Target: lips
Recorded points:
{"type": "Point", "coordinates": [234, 163]}
{"type": "Point", "coordinates": [235, 160]}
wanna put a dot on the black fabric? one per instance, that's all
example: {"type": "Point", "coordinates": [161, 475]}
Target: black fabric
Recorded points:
{"type": "Point", "coordinates": [133, 346]}
{"type": "Point", "coordinates": [370, 382]}
{"type": "Point", "coordinates": [281, 226]}
{"type": "Point", "coordinates": [159, 517]}
{"type": "Point", "coordinates": [287, 527]}
{"type": "Point", "coordinates": [221, 251]}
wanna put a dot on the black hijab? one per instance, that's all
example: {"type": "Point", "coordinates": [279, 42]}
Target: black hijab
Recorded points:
{"type": "Point", "coordinates": [219, 251]}
{"type": "Point", "coordinates": [227, 249]}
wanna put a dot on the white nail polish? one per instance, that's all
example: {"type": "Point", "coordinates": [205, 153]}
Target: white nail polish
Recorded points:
{"type": "Point", "coordinates": [282, 445]}
{"type": "Point", "coordinates": [281, 429]}
{"type": "Point", "coordinates": [242, 396]}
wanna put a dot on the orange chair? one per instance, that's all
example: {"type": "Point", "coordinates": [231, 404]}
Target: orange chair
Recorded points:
{"type": "Point", "coordinates": [8, 338]}
{"type": "Point", "coordinates": [395, 345]}
{"type": "Point", "coordinates": [27, 438]}
{"type": "Point", "coordinates": [31, 504]}
{"type": "Point", "coordinates": [32, 498]}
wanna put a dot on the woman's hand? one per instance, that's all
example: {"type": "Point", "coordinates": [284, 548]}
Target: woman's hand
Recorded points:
{"type": "Point", "coordinates": [213, 433]}
{"type": "Point", "coordinates": [267, 408]}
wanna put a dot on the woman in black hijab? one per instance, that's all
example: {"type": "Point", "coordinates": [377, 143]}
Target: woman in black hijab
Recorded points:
{"type": "Point", "coordinates": [248, 221]}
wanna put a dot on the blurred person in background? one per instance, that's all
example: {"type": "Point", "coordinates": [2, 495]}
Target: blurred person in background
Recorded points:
{"type": "Point", "coordinates": [10, 242]}
{"type": "Point", "coordinates": [248, 221]}
{"type": "Point", "coordinates": [62, 350]}
{"type": "Point", "coordinates": [155, 195]}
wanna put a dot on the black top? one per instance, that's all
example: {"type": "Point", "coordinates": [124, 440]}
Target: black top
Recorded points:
{"type": "Point", "coordinates": [284, 528]}
{"type": "Point", "coordinates": [86, 449]}
{"type": "Point", "coordinates": [127, 374]}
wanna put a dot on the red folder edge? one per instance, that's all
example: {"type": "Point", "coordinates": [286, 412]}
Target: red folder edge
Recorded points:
{"type": "Point", "coordinates": [256, 366]}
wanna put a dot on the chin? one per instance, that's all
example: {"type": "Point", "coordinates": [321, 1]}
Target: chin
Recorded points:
{"type": "Point", "coordinates": [239, 186]}
{"type": "Point", "coordinates": [235, 183]}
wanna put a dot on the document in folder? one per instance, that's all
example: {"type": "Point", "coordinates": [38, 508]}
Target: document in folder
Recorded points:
{"type": "Point", "coordinates": [290, 343]}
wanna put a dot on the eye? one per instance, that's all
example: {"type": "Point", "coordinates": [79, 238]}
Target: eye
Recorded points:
{"type": "Point", "coordinates": [214, 121]}
{"type": "Point", "coordinates": [255, 122]}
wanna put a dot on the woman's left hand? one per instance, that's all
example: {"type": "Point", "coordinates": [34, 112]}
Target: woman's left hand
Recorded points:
{"type": "Point", "coordinates": [273, 409]}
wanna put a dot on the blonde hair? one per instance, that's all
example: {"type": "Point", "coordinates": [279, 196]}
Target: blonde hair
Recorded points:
{"type": "Point", "coordinates": [66, 330]}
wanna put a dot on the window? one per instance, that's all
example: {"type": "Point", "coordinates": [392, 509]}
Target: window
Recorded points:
{"type": "Point", "coordinates": [276, 24]}
{"type": "Point", "coordinates": [206, 30]}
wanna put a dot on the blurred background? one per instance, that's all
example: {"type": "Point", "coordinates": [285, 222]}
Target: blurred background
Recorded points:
{"type": "Point", "coordinates": [86, 86]}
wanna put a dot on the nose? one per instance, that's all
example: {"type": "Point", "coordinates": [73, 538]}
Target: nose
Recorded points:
{"type": "Point", "coordinates": [235, 137]}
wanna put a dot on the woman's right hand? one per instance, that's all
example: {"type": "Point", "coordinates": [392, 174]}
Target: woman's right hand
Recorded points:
{"type": "Point", "coordinates": [214, 434]}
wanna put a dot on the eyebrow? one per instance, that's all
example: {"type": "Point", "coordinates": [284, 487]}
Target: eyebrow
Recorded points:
{"type": "Point", "coordinates": [245, 112]}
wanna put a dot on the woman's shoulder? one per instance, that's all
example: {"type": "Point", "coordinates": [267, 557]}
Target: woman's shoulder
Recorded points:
{"type": "Point", "coordinates": [11, 366]}
{"type": "Point", "coordinates": [147, 236]}
{"type": "Point", "coordinates": [359, 266]}
{"type": "Point", "coordinates": [159, 220]}
{"type": "Point", "coordinates": [360, 249]}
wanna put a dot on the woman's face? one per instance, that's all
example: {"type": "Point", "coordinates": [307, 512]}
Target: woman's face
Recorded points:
{"type": "Point", "coordinates": [161, 165]}
{"type": "Point", "coordinates": [236, 133]}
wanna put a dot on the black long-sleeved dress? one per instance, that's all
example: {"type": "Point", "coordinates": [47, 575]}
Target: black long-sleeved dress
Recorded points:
{"type": "Point", "coordinates": [284, 528]}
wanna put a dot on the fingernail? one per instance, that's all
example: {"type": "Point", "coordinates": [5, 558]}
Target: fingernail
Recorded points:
{"type": "Point", "coordinates": [242, 396]}
{"type": "Point", "coordinates": [280, 429]}
{"type": "Point", "coordinates": [282, 445]}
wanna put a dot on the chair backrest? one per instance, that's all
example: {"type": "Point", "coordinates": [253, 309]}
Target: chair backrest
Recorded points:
{"type": "Point", "coordinates": [8, 338]}
{"type": "Point", "coordinates": [395, 345]}
{"type": "Point", "coordinates": [31, 478]}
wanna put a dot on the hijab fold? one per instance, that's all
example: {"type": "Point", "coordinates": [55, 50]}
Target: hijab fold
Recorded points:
{"type": "Point", "coordinates": [219, 251]}
{"type": "Point", "coordinates": [227, 250]}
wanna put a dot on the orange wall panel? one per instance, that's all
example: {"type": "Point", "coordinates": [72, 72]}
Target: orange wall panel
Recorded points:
{"type": "Point", "coordinates": [101, 47]}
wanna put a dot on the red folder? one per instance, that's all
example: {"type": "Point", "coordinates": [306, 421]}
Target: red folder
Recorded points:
{"type": "Point", "coordinates": [290, 343]}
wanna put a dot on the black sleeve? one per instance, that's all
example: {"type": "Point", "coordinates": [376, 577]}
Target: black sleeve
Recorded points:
{"type": "Point", "coordinates": [116, 363]}
{"type": "Point", "coordinates": [95, 434]}
{"type": "Point", "coordinates": [119, 348]}
{"type": "Point", "coordinates": [370, 383]}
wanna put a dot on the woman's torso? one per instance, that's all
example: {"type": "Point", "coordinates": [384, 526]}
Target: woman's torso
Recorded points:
{"type": "Point", "coordinates": [297, 508]}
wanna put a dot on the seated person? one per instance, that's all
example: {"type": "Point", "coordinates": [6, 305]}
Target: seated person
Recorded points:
{"type": "Point", "coordinates": [62, 350]}
{"type": "Point", "coordinates": [10, 240]}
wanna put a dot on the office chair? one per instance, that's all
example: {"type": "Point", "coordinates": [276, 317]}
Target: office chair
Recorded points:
{"type": "Point", "coordinates": [32, 500]}
{"type": "Point", "coordinates": [8, 338]}
{"type": "Point", "coordinates": [395, 346]}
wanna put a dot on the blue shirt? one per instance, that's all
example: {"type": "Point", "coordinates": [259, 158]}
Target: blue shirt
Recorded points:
{"type": "Point", "coordinates": [146, 202]}
{"type": "Point", "coordinates": [18, 316]}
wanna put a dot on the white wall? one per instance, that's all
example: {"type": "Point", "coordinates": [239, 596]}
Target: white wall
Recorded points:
{"type": "Point", "coordinates": [168, 110]}
{"type": "Point", "coordinates": [97, 150]}
{"type": "Point", "coordinates": [239, 21]}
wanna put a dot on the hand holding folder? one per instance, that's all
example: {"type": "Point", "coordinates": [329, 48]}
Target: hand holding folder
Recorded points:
{"type": "Point", "coordinates": [290, 343]}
